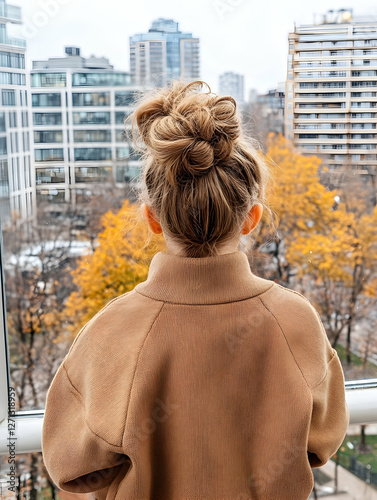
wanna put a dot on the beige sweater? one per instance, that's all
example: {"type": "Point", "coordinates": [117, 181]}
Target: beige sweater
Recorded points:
{"type": "Point", "coordinates": [204, 382]}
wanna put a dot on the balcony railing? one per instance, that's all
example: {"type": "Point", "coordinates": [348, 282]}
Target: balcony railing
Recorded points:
{"type": "Point", "coordinates": [10, 40]}
{"type": "Point", "coordinates": [361, 398]}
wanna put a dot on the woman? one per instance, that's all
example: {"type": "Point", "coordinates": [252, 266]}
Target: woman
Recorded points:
{"type": "Point", "coordinates": [205, 381]}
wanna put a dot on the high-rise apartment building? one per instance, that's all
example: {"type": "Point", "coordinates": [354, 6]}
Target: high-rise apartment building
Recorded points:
{"type": "Point", "coordinates": [16, 179]}
{"type": "Point", "coordinates": [331, 91]}
{"type": "Point", "coordinates": [232, 84]}
{"type": "Point", "coordinates": [78, 110]}
{"type": "Point", "coordinates": [164, 54]}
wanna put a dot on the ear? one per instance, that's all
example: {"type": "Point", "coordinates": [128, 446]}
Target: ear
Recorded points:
{"type": "Point", "coordinates": [151, 219]}
{"type": "Point", "coordinates": [253, 218]}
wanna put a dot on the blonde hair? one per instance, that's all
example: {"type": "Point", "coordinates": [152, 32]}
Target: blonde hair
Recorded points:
{"type": "Point", "coordinates": [201, 174]}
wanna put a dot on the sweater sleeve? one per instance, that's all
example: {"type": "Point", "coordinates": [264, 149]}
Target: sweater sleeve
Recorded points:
{"type": "Point", "coordinates": [330, 414]}
{"type": "Point", "coordinates": [77, 459]}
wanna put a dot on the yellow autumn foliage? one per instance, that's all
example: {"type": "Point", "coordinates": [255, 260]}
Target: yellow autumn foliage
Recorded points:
{"type": "Point", "coordinates": [120, 261]}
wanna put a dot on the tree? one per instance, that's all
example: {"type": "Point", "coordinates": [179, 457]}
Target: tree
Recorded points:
{"type": "Point", "coordinates": [298, 200]}
{"type": "Point", "coordinates": [119, 262]}
{"type": "Point", "coordinates": [328, 245]}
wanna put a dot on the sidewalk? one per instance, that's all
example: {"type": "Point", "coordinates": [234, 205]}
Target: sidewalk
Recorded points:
{"type": "Point", "coordinates": [350, 487]}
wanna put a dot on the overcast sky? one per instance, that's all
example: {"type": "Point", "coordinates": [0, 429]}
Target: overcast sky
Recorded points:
{"type": "Point", "coordinates": [245, 36]}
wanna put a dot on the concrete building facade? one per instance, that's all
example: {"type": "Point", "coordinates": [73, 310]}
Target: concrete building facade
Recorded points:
{"type": "Point", "coordinates": [78, 111]}
{"type": "Point", "coordinates": [331, 91]}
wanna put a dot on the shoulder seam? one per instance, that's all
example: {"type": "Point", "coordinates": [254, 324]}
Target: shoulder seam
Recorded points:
{"type": "Point", "coordinates": [98, 314]}
{"type": "Point", "coordinates": [81, 399]}
{"type": "Point", "coordinates": [289, 347]}
{"type": "Point", "coordinates": [295, 292]}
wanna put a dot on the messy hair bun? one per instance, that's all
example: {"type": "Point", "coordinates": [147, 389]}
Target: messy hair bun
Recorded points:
{"type": "Point", "coordinates": [188, 133]}
{"type": "Point", "coordinates": [201, 175]}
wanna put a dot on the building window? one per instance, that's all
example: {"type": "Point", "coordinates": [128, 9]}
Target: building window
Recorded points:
{"type": "Point", "coordinates": [2, 122]}
{"type": "Point", "coordinates": [127, 173]}
{"type": "Point", "coordinates": [92, 135]}
{"type": "Point", "coordinates": [39, 100]}
{"type": "Point", "coordinates": [47, 118]}
{"type": "Point", "coordinates": [120, 135]}
{"type": "Point", "coordinates": [92, 154]}
{"type": "Point", "coordinates": [56, 154]}
{"type": "Point", "coordinates": [92, 174]}
{"type": "Point", "coordinates": [53, 175]}
{"type": "Point", "coordinates": [48, 136]}
{"type": "Point", "coordinates": [91, 118]}
{"type": "Point", "coordinates": [100, 79]}
{"type": "Point", "coordinates": [8, 97]}
{"type": "Point", "coordinates": [12, 119]}
{"type": "Point", "coordinates": [125, 98]}
{"type": "Point", "coordinates": [123, 153]}
{"type": "Point", "coordinates": [91, 99]}
{"type": "Point", "coordinates": [48, 79]}
{"type": "Point", "coordinates": [120, 117]}
{"type": "Point", "coordinates": [50, 195]}
{"type": "Point", "coordinates": [12, 60]}
{"type": "Point", "coordinates": [3, 146]}
{"type": "Point", "coordinates": [12, 78]}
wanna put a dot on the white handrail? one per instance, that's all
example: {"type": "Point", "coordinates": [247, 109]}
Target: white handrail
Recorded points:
{"type": "Point", "coordinates": [361, 399]}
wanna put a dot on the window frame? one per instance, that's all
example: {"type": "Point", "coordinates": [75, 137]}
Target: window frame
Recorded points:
{"type": "Point", "coordinates": [361, 395]}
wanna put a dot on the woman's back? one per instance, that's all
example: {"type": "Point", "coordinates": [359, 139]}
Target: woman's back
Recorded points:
{"type": "Point", "coordinates": [204, 382]}
{"type": "Point", "coordinates": [210, 380]}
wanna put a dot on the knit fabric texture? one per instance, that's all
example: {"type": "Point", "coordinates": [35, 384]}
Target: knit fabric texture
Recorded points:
{"type": "Point", "coordinates": [205, 382]}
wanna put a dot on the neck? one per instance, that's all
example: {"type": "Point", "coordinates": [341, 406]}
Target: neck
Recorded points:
{"type": "Point", "coordinates": [175, 248]}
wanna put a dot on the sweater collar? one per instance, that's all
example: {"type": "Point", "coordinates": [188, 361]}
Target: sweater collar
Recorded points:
{"type": "Point", "coordinates": [206, 280]}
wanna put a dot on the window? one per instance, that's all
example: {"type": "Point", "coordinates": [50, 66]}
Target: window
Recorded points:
{"type": "Point", "coordinates": [46, 100]}
{"type": "Point", "coordinates": [92, 154]}
{"type": "Point", "coordinates": [53, 175]}
{"type": "Point", "coordinates": [127, 174]}
{"type": "Point", "coordinates": [50, 196]}
{"type": "Point", "coordinates": [362, 115]}
{"type": "Point", "coordinates": [91, 118]}
{"type": "Point", "coordinates": [12, 78]}
{"type": "Point", "coordinates": [100, 79]}
{"type": "Point", "coordinates": [334, 84]}
{"type": "Point", "coordinates": [83, 165]}
{"type": "Point", "coordinates": [2, 122]}
{"type": "Point", "coordinates": [363, 104]}
{"type": "Point", "coordinates": [48, 136]}
{"type": "Point", "coordinates": [91, 99]}
{"type": "Point", "coordinates": [121, 135]}
{"type": "Point", "coordinates": [12, 119]}
{"type": "Point", "coordinates": [364, 84]}
{"type": "Point", "coordinates": [92, 135]}
{"type": "Point", "coordinates": [120, 117]}
{"type": "Point", "coordinates": [125, 98]}
{"type": "Point", "coordinates": [123, 152]}
{"type": "Point", "coordinates": [309, 85]}
{"type": "Point", "coordinates": [364, 73]}
{"type": "Point", "coordinates": [3, 146]}
{"type": "Point", "coordinates": [8, 97]}
{"type": "Point", "coordinates": [363, 125]}
{"type": "Point", "coordinates": [12, 60]}
{"type": "Point", "coordinates": [47, 118]}
{"type": "Point", "coordinates": [49, 155]}
{"type": "Point", "coordinates": [48, 79]}
{"type": "Point", "coordinates": [92, 174]}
